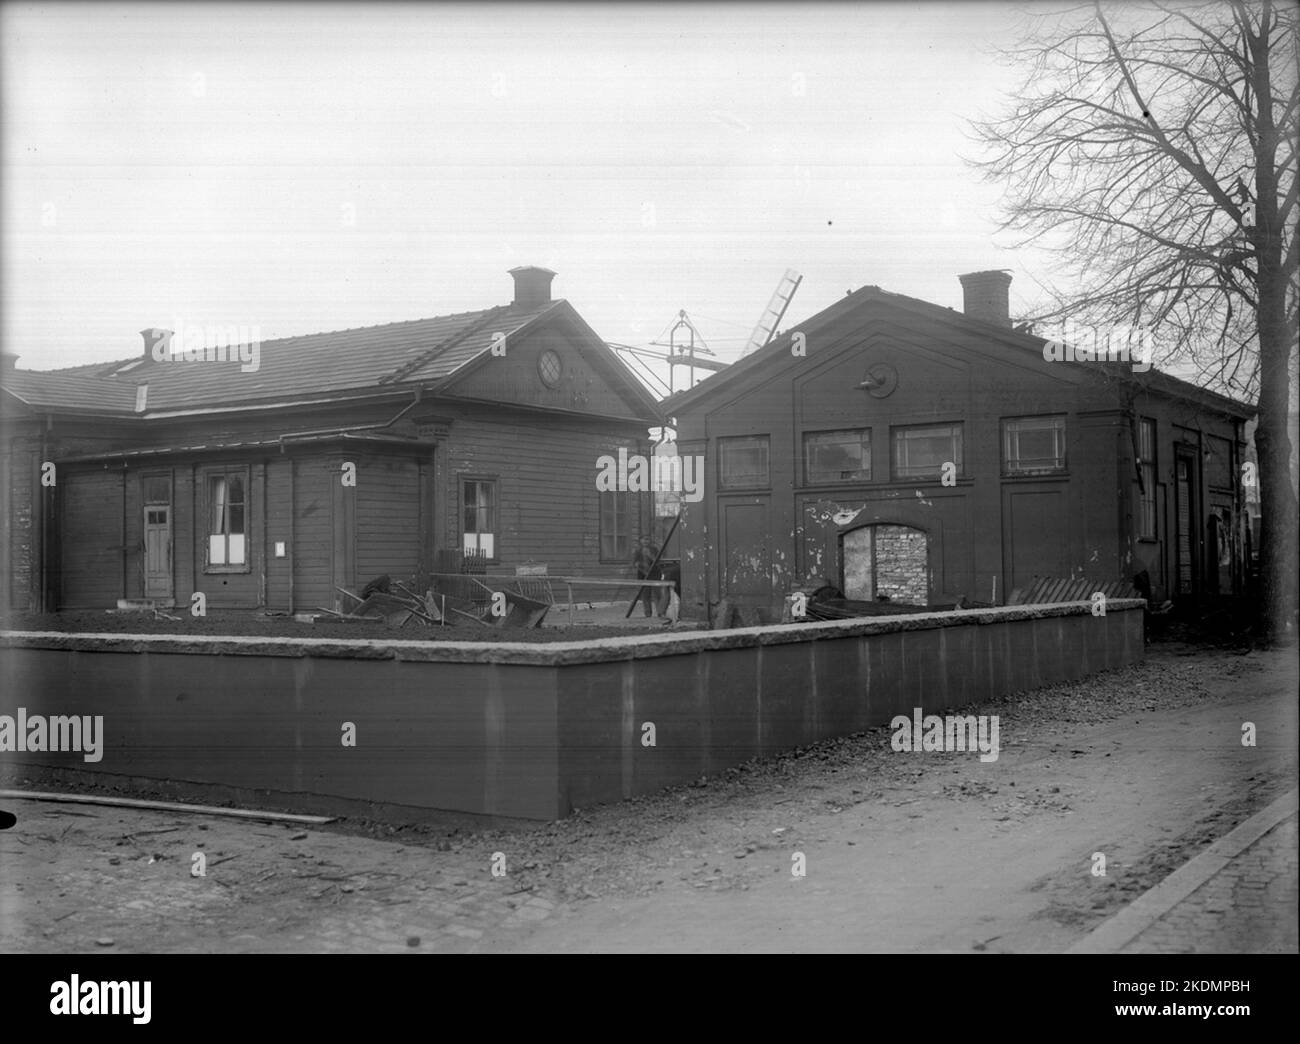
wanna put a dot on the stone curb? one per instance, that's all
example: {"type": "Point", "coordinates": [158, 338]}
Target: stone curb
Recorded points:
{"type": "Point", "coordinates": [1117, 932]}
{"type": "Point", "coordinates": [547, 654]}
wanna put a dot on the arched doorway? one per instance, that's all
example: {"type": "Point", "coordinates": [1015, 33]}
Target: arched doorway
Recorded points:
{"type": "Point", "coordinates": [886, 563]}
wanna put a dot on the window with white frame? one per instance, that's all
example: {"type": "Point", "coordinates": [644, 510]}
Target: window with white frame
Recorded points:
{"type": "Point", "coordinates": [479, 517]}
{"type": "Point", "coordinates": [227, 514]}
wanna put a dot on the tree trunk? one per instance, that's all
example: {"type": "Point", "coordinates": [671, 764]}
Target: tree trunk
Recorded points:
{"type": "Point", "coordinates": [1278, 507]}
{"type": "Point", "coordinates": [1277, 496]}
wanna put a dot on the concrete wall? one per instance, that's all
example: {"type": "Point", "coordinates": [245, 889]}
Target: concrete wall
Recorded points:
{"type": "Point", "coordinates": [526, 730]}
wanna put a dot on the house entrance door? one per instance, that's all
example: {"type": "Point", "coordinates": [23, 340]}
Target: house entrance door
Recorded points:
{"type": "Point", "coordinates": [157, 538]}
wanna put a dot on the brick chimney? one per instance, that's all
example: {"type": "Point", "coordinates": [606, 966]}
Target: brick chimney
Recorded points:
{"type": "Point", "coordinates": [532, 286]}
{"type": "Point", "coordinates": [152, 336]}
{"type": "Point", "coordinates": [985, 296]}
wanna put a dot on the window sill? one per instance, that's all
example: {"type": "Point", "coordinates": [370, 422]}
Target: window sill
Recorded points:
{"type": "Point", "coordinates": [1054, 474]}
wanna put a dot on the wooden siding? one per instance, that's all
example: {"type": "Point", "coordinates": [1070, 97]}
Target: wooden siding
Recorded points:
{"type": "Point", "coordinates": [276, 526]}
{"type": "Point", "coordinates": [90, 512]}
{"type": "Point", "coordinates": [18, 483]}
{"type": "Point", "coordinates": [184, 522]}
{"type": "Point", "coordinates": [387, 517]}
{"type": "Point", "coordinates": [546, 489]}
{"type": "Point", "coordinates": [404, 508]}
{"type": "Point", "coordinates": [312, 549]}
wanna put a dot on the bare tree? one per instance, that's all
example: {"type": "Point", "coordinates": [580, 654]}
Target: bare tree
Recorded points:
{"type": "Point", "coordinates": [1152, 150]}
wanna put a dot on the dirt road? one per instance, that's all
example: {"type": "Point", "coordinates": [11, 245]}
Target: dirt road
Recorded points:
{"type": "Point", "coordinates": [901, 852]}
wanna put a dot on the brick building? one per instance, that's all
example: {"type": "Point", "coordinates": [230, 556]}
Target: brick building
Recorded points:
{"type": "Point", "coordinates": [891, 447]}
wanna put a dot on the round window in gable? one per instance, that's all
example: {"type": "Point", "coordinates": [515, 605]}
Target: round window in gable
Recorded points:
{"type": "Point", "coordinates": [550, 368]}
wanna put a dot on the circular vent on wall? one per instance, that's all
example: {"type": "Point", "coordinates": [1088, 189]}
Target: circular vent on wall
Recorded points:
{"type": "Point", "coordinates": [549, 368]}
{"type": "Point", "coordinates": [880, 381]}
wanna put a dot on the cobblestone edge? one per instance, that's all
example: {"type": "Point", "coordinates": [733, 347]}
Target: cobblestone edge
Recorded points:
{"type": "Point", "coordinates": [1146, 909]}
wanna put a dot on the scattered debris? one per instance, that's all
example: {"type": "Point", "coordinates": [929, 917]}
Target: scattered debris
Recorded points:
{"type": "Point", "coordinates": [451, 598]}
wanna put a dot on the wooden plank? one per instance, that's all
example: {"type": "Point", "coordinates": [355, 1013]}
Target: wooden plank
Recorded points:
{"type": "Point", "coordinates": [163, 806]}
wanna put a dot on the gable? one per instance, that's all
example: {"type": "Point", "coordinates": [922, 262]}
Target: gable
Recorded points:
{"type": "Point", "coordinates": [918, 369]}
{"type": "Point", "coordinates": [1003, 362]}
{"type": "Point", "coordinates": [904, 370]}
{"type": "Point", "coordinates": [589, 379]}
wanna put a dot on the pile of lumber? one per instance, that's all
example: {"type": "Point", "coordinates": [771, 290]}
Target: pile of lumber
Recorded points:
{"type": "Point", "coordinates": [1047, 589]}
{"type": "Point", "coordinates": [387, 600]}
{"type": "Point", "coordinates": [453, 600]}
{"type": "Point", "coordinates": [469, 598]}
{"type": "Point", "coordinates": [851, 608]}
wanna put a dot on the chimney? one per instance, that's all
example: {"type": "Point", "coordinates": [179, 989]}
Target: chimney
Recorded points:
{"type": "Point", "coordinates": [985, 296]}
{"type": "Point", "coordinates": [153, 336]}
{"type": "Point", "coordinates": [8, 361]}
{"type": "Point", "coordinates": [532, 286]}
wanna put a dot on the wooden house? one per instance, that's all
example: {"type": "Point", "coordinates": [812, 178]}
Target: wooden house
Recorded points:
{"type": "Point", "coordinates": [268, 479]}
{"type": "Point", "coordinates": [901, 451]}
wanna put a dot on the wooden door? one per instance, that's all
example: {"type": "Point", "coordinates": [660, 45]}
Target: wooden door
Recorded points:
{"type": "Point", "coordinates": [1186, 531]}
{"type": "Point", "coordinates": [158, 551]}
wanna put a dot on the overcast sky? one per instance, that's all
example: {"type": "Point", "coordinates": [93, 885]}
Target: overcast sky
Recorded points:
{"type": "Point", "coordinates": [301, 168]}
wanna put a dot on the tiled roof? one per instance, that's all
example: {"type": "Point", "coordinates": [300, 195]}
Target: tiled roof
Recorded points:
{"type": "Point", "coordinates": [291, 368]}
{"type": "Point", "coordinates": [77, 391]}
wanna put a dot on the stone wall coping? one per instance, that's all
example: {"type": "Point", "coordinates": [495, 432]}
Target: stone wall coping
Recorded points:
{"type": "Point", "coordinates": [550, 654]}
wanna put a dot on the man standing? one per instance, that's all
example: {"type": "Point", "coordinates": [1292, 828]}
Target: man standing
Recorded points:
{"type": "Point", "coordinates": [643, 559]}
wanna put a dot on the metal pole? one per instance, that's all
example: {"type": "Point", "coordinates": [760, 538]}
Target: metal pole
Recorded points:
{"type": "Point", "coordinates": [671, 530]}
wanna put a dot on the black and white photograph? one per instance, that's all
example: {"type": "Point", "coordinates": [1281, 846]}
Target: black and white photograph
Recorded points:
{"type": "Point", "coordinates": [650, 478]}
